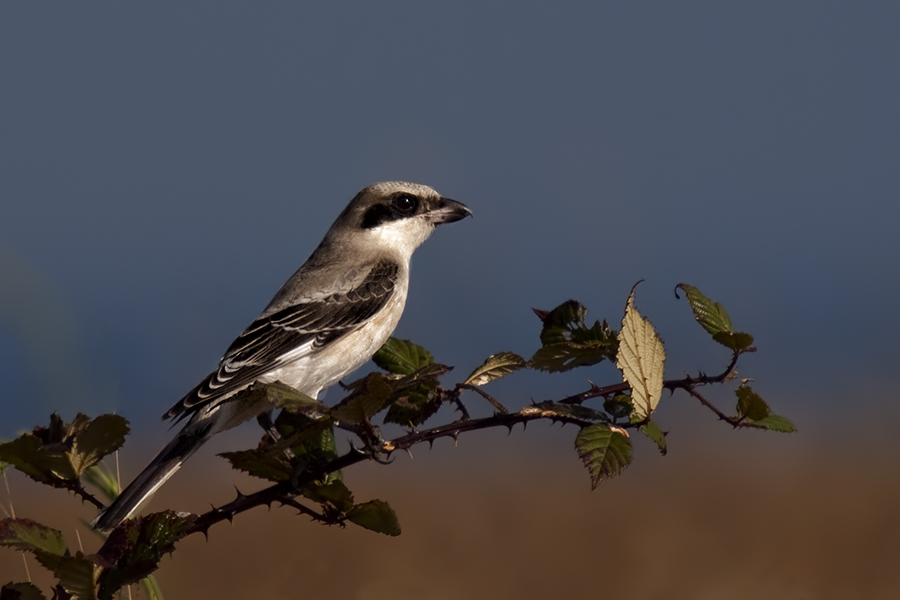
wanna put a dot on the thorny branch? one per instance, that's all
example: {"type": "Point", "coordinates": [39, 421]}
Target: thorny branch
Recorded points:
{"type": "Point", "coordinates": [285, 492]}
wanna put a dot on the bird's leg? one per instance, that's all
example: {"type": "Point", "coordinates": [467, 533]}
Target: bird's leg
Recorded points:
{"type": "Point", "coordinates": [265, 421]}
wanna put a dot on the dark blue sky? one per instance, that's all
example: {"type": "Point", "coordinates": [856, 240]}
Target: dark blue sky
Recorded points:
{"type": "Point", "coordinates": [163, 169]}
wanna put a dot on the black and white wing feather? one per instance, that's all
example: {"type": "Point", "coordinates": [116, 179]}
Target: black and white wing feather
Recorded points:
{"type": "Point", "coordinates": [290, 334]}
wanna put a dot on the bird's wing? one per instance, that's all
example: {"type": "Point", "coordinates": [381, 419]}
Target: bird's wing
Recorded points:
{"type": "Point", "coordinates": [289, 334]}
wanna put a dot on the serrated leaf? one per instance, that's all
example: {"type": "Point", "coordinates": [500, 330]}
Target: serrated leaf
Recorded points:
{"type": "Point", "coordinates": [366, 401]}
{"type": "Point", "coordinates": [416, 396]}
{"type": "Point", "coordinates": [136, 546]}
{"type": "Point", "coordinates": [641, 358]}
{"type": "Point", "coordinates": [618, 406]}
{"type": "Point", "coordinates": [291, 400]}
{"type": "Point", "coordinates": [605, 450]}
{"type": "Point", "coordinates": [711, 315]}
{"type": "Point", "coordinates": [304, 436]}
{"type": "Point", "coordinates": [413, 407]}
{"type": "Point", "coordinates": [375, 515]}
{"type": "Point", "coordinates": [496, 366]}
{"type": "Point", "coordinates": [78, 576]}
{"type": "Point", "coordinates": [24, 454]}
{"type": "Point", "coordinates": [21, 591]}
{"type": "Point", "coordinates": [734, 340]}
{"type": "Point", "coordinates": [402, 357]}
{"type": "Point", "coordinates": [559, 323]}
{"type": "Point", "coordinates": [260, 463]}
{"type": "Point", "coordinates": [335, 493]}
{"type": "Point", "coordinates": [100, 437]}
{"type": "Point", "coordinates": [775, 423]}
{"type": "Point", "coordinates": [58, 454]}
{"type": "Point", "coordinates": [750, 404]}
{"type": "Point", "coordinates": [565, 356]}
{"type": "Point", "coordinates": [657, 435]}
{"type": "Point", "coordinates": [25, 534]}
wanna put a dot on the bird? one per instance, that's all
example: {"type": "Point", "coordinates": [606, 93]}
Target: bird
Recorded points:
{"type": "Point", "coordinates": [328, 319]}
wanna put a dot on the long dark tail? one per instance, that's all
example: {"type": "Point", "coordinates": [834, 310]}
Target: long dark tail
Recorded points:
{"type": "Point", "coordinates": [157, 473]}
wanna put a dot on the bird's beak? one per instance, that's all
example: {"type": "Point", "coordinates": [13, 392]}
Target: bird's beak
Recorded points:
{"type": "Point", "coordinates": [448, 211]}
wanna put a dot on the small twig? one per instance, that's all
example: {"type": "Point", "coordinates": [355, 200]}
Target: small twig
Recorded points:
{"type": "Point", "coordinates": [316, 516]}
{"type": "Point", "coordinates": [500, 408]}
{"type": "Point", "coordinates": [670, 384]}
{"type": "Point", "coordinates": [736, 423]}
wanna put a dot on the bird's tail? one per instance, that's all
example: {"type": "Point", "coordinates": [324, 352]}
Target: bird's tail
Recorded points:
{"type": "Point", "coordinates": [155, 474]}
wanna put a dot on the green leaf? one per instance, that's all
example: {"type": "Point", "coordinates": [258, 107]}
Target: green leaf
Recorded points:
{"type": "Point", "coordinates": [136, 546]}
{"type": "Point", "coordinates": [618, 406]}
{"type": "Point", "coordinates": [413, 407]}
{"type": "Point", "coordinates": [367, 399]}
{"type": "Point", "coordinates": [496, 366]}
{"type": "Point", "coordinates": [47, 544]}
{"type": "Point", "coordinates": [260, 463]}
{"type": "Point", "coordinates": [59, 454]}
{"type": "Point", "coordinates": [78, 576]}
{"type": "Point", "coordinates": [24, 453]}
{"type": "Point", "coordinates": [375, 515]}
{"type": "Point", "coordinates": [605, 450]}
{"type": "Point", "coordinates": [21, 591]}
{"type": "Point", "coordinates": [775, 423]}
{"type": "Point", "coordinates": [657, 435]}
{"type": "Point", "coordinates": [565, 323]}
{"type": "Point", "coordinates": [335, 493]}
{"type": "Point", "coordinates": [291, 400]}
{"type": "Point", "coordinates": [100, 437]}
{"type": "Point", "coordinates": [641, 358]}
{"type": "Point", "coordinates": [312, 438]}
{"type": "Point", "coordinates": [750, 405]}
{"type": "Point", "coordinates": [402, 357]}
{"type": "Point", "coordinates": [568, 343]}
{"type": "Point", "coordinates": [736, 341]}
{"type": "Point", "coordinates": [25, 534]}
{"type": "Point", "coordinates": [416, 396]}
{"type": "Point", "coordinates": [565, 356]}
{"type": "Point", "coordinates": [711, 315]}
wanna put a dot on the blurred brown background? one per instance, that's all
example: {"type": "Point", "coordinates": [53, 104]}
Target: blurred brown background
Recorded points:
{"type": "Point", "coordinates": [742, 515]}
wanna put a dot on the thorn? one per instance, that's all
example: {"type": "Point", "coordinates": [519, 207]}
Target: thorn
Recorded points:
{"type": "Point", "coordinates": [408, 452]}
{"type": "Point", "coordinates": [431, 444]}
{"type": "Point", "coordinates": [510, 428]}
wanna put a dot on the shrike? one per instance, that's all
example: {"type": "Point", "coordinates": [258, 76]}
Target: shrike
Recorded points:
{"type": "Point", "coordinates": [326, 321]}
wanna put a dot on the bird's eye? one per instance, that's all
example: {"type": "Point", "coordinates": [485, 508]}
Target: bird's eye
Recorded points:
{"type": "Point", "coordinates": [406, 204]}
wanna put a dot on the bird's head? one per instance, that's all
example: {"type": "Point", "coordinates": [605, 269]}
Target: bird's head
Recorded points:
{"type": "Point", "coordinates": [395, 216]}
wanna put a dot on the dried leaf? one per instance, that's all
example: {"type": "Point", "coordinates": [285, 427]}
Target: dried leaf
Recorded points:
{"type": "Point", "coordinates": [641, 359]}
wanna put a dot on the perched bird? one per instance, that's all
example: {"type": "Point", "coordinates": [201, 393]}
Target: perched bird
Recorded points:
{"type": "Point", "coordinates": [325, 321]}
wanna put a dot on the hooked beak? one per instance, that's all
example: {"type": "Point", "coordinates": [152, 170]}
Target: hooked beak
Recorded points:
{"type": "Point", "coordinates": [448, 211]}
